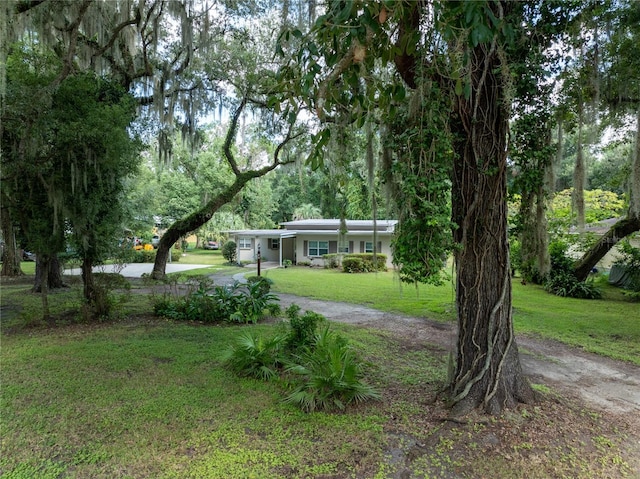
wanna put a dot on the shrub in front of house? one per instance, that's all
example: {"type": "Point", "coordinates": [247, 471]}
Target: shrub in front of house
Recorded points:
{"type": "Point", "coordinates": [364, 263]}
{"type": "Point", "coordinates": [229, 251]}
{"type": "Point", "coordinates": [234, 303]}
{"type": "Point", "coordinates": [331, 260]}
{"type": "Point", "coordinates": [321, 368]}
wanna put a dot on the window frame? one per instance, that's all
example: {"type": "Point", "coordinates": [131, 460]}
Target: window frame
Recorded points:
{"type": "Point", "coordinates": [242, 241]}
{"type": "Point", "coordinates": [274, 243]}
{"type": "Point", "coordinates": [366, 247]}
{"type": "Point", "coordinates": [317, 248]}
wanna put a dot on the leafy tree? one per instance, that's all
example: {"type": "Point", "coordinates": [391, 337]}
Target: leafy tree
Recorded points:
{"type": "Point", "coordinates": [621, 54]}
{"type": "Point", "coordinates": [353, 59]}
{"type": "Point", "coordinates": [93, 152]}
{"type": "Point", "coordinates": [201, 216]}
{"type": "Point", "coordinates": [307, 211]}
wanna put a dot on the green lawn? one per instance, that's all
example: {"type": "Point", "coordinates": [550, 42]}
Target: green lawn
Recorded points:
{"type": "Point", "coordinates": [610, 327]}
{"type": "Point", "coordinates": [148, 398]}
{"type": "Point", "coordinates": [144, 397]}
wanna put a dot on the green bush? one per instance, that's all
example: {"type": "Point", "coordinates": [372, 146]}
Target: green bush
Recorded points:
{"type": "Point", "coordinates": [229, 251]}
{"type": "Point", "coordinates": [254, 356]}
{"type": "Point", "coordinates": [326, 372]}
{"type": "Point", "coordinates": [233, 303]}
{"type": "Point", "coordinates": [562, 281]}
{"type": "Point", "coordinates": [364, 263]}
{"type": "Point", "coordinates": [302, 329]}
{"type": "Point", "coordinates": [330, 374]}
{"type": "Point", "coordinates": [331, 261]}
{"type": "Point", "coordinates": [565, 284]}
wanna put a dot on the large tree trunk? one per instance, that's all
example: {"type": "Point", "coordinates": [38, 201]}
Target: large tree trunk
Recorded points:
{"type": "Point", "coordinates": [55, 280]}
{"type": "Point", "coordinates": [488, 373]}
{"type": "Point", "coordinates": [534, 236]}
{"type": "Point", "coordinates": [10, 255]}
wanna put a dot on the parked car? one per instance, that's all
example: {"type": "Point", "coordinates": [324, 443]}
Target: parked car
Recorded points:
{"type": "Point", "coordinates": [155, 240]}
{"type": "Point", "coordinates": [211, 245]}
{"type": "Point", "coordinates": [28, 256]}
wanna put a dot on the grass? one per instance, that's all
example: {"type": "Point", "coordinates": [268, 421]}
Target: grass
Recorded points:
{"type": "Point", "coordinates": [145, 398]}
{"type": "Point", "coordinates": [149, 399]}
{"type": "Point", "coordinates": [141, 397]}
{"type": "Point", "coordinates": [610, 327]}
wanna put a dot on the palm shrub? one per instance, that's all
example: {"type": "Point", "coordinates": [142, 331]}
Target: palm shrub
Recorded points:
{"type": "Point", "coordinates": [255, 356]}
{"type": "Point", "coordinates": [330, 375]}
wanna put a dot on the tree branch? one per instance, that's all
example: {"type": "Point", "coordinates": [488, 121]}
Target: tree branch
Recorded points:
{"type": "Point", "coordinates": [26, 5]}
{"type": "Point", "coordinates": [231, 134]}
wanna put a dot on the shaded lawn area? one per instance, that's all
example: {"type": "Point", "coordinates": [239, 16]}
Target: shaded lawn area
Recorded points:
{"type": "Point", "coordinates": [610, 326]}
{"type": "Point", "coordinates": [148, 398]}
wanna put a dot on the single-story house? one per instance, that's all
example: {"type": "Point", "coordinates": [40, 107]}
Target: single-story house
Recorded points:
{"type": "Point", "coordinates": [307, 240]}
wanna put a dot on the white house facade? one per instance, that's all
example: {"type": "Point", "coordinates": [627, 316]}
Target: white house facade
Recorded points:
{"type": "Point", "coordinates": [306, 241]}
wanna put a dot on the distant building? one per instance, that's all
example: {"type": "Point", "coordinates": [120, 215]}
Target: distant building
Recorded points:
{"type": "Point", "coordinates": [307, 240]}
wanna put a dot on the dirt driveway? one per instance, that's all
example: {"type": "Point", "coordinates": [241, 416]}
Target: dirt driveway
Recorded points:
{"type": "Point", "coordinates": [601, 383]}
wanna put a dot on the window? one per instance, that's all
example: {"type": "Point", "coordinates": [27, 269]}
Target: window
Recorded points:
{"type": "Point", "coordinates": [244, 243]}
{"type": "Point", "coordinates": [274, 243]}
{"type": "Point", "coordinates": [368, 246]}
{"type": "Point", "coordinates": [318, 248]}
{"type": "Point", "coordinates": [343, 247]}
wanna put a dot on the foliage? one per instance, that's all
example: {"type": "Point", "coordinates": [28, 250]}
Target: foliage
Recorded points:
{"type": "Point", "coordinates": [599, 205]}
{"type": "Point", "coordinates": [232, 303]}
{"type": "Point", "coordinates": [302, 328]}
{"type": "Point", "coordinates": [353, 265]}
{"type": "Point", "coordinates": [331, 375]}
{"type": "Point", "coordinates": [630, 260]}
{"type": "Point", "coordinates": [416, 166]}
{"type": "Point", "coordinates": [515, 255]}
{"type": "Point", "coordinates": [254, 356]}
{"type": "Point", "coordinates": [364, 263]}
{"type": "Point", "coordinates": [562, 281]}
{"type": "Point", "coordinates": [331, 260]}
{"type": "Point", "coordinates": [229, 251]}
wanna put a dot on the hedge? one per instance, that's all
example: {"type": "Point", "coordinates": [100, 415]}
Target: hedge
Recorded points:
{"type": "Point", "coordinates": [364, 263]}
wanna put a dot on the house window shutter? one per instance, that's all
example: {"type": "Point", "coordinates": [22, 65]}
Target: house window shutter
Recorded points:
{"type": "Point", "coordinates": [305, 247]}
{"type": "Point", "coordinates": [362, 246]}
{"type": "Point", "coordinates": [379, 250]}
{"type": "Point", "coordinates": [333, 247]}
{"type": "Point", "coordinates": [350, 246]}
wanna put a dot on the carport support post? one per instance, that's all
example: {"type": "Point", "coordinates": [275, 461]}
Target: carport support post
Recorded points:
{"type": "Point", "coordinates": [258, 259]}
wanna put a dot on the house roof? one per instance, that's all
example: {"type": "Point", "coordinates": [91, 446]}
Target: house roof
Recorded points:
{"type": "Point", "coordinates": [334, 224]}
{"type": "Point", "coordinates": [322, 227]}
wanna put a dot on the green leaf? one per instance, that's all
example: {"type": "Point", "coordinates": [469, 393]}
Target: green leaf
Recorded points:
{"type": "Point", "coordinates": [458, 87]}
